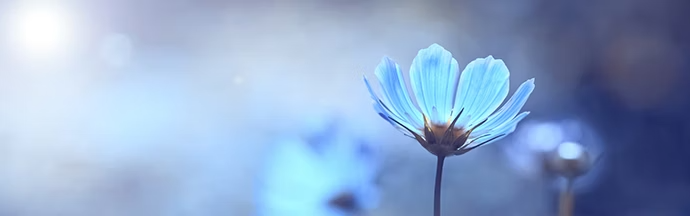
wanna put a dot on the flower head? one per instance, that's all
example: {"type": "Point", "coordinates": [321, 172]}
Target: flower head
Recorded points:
{"type": "Point", "coordinates": [454, 112]}
{"type": "Point", "coordinates": [329, 172]}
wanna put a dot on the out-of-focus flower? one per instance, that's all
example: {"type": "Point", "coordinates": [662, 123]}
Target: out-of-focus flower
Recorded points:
{"type": "Point", "coordinates": [329, 172]}
{"type": "Point", "coordinates": [457, 111]}
{"type": "Point", "coordinates": [568, 148]}
{"type": "Point", "coordinates": [570, 160]}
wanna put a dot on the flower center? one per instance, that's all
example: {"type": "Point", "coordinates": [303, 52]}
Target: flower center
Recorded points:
{"type": "Point", "coordinates": [439, 131]}
{"type": "Point", "coordinates": [444, 139]}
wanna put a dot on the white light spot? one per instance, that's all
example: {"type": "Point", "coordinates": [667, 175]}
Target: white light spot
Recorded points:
{"type": "Point", "coordinates": [41, 31]}
{"type": "Point", "coordinates": [570, 150]}
{"type": "Point", "coordinates": [116, 49]}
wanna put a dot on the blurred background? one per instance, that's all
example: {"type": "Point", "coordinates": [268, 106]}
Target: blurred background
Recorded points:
{"type": "Point", "coordinates": [175, 107]}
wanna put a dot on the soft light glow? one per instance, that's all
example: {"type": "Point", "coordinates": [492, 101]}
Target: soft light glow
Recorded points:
{"type": "Point", "coordinates": [40, 30]}
{"type": "Point", "coordinates": [116, 49]}
{"type": "Point", "coordinates": [543, 136]}
{"type": "Point", "coordinates": [570, 150]}
{"type": "Point", "coordinates": [238, 80]}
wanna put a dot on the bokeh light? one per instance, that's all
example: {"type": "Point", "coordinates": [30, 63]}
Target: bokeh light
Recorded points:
{"type": "Point", "coordinates": [41, 30]}
{"type": "Point", "coordinates": [541, 136]}
{"type": "Point", "coordinates": [570, 150]}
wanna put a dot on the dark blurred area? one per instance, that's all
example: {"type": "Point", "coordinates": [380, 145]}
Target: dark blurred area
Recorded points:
{"type": "Point", "coordinates": [168, 107]}
{"type": "Point", "coordinates": [632, 57]}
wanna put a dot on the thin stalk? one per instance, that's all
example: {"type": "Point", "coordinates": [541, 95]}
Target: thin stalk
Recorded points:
{"type": "Point", "coordinates": [567, 200]}
{"type": "Point", "coordinates": [437, 185]}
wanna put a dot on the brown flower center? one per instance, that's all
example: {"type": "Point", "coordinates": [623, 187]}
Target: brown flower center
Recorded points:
{"type": "Point", "coordinates": [444, 139]}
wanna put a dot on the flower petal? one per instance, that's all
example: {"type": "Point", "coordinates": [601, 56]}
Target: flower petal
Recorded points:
{"type": "Point", "coordinates": [389, 115]}
{"type": "Point", "coordinates": [434, 78]}
{"type": "Point", "coordinates": [509, 109]}
{"type": "Point", "coordinates": [483, 86]}
{"type": "Point", "coordinates": [499, 132]}
{"type": "Point", "coordinates": [391, 79]}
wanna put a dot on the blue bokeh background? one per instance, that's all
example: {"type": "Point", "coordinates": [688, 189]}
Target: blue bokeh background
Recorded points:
{"type": "Point", "coordinates": [174, 107]}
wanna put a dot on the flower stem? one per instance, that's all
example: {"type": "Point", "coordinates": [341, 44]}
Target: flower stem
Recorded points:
{"type": "Point", "coordinates": [437, 185]}
{"type": "Point", "coordinates": [567, 199]}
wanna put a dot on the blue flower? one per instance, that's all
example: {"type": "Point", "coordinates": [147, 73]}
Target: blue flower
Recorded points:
{"type": "Point", "coordinates": [327, 172]}
{"type": "Point", "coordinates": [454, 112]}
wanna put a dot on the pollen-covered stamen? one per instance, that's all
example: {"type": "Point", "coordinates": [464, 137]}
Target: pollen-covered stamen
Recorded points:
{"type": "Point", "coordinates": [461, 141]}
{"type": "Point", "coordinates": [449, 131]}
{"type": "Point", "coordinates": [466, 136]}
{"type": "Point", "coordinates": [428, 131]}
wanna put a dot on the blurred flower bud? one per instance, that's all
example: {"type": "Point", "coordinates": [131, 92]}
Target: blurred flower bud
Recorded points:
{"type": "Point", "coordinates": [569, 160]}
